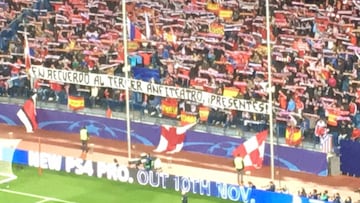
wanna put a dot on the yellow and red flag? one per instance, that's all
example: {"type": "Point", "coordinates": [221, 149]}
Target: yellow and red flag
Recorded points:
{"type": "Point", "coordinates": [169, 107]}
{"type": "Point", "coordinates": [293, 136]}
{"type": "Point", "coordinates": [187, 118]}
{"type": "Point", "coordinates": [216, 28]}
{"type": "Point", "coordinates": [204, 113]}
{"type": "Point", "coordinates": [225, 13]}
{"type": "Point", "coordinates": [76, 103]}
{"type": "Point", "coordinates": [213, 7]}
{"type": "Point", "coordinates": [230, 92]}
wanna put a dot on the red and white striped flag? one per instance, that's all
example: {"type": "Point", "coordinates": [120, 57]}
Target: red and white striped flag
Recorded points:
{"type": "Point", "coordinates": [252, 151]}
{"type": "Point", "coordinates": [27, 53]}
{"type": "Point", "coordinates": [27, 114]}
{"type": "Point", "coordinates": [326, 143]}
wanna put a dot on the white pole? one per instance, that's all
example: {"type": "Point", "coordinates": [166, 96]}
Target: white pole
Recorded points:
{"type": "Point", "coordinates": [126, 69]}
{"type": "Point", "coordinates": [270, 102]}
{"type": "Point", "coordinates": [32, 79]}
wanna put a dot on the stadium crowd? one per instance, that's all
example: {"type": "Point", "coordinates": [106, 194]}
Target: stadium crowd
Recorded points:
{"type": "Point", "coordinates": [214, 46]}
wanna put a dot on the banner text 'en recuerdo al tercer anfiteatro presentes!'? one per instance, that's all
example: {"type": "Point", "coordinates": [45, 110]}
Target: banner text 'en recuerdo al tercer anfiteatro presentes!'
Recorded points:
{"type": "Point", "coordinates": [117, 82]}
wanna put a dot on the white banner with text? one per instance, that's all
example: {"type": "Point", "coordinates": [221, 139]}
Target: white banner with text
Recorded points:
{"type": "Point", "coordinates": [117, 82]}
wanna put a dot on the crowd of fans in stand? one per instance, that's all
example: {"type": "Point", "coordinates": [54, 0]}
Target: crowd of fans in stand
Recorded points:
{"type": "Point", "coordinates": [324, 196]}
{"type": "Point", "coordinates": [314, 57]}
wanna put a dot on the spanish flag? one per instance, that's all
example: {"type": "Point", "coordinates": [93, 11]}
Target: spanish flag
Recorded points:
{"type": "Point", "coordinates": [230, 92]}
{"type": "Point", "coordinates": [203, 113]}
{"type": "Point", "coordinates": [217, 29]}
{"type": "Point", "coordinates": [293, 136]}
{"type": "Point", "coordinates": [213, 7]}
{"type": "Point", "coordinates": [169, 107]}
{"type": "Point", "coordinates": [187, 118]}
{"type": "Point", "coordinates": [76, 103]}
{"type": "Point", "coordinates": [225, 13]}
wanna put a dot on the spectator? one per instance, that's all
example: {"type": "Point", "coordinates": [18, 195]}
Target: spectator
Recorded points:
{"type": "Point", "coordinates": [271, 187]}
{"type": "Point", "coordinates": [84, 137]}
{"type": "Point", "coordinates": [314, 194]}
{"type": "Point", "coordinates": [345, 131]}
{"type": "Point", "coordinates": [348, 200]}
{"type": "Point", "coordinates": [324, 196]}
{"type": "Point", "coordinates": [336, 198]}
{"type": "Point", "coordinates": [94, 96]}
{"type": "Point", "coordinates": [239, 166]}
{"type": "Point", "coordinates": [251, 185]}
{"type": "Point", "coordinates": [184, 197]}
{"type": "Point", "coordinates": [302, 193]}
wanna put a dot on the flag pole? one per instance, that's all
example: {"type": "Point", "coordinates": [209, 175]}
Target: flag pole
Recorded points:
{"type": "Point", "coordinates": [270, 101]}
{"type": "Point", "coordinates": [126, 70]}
{"type": "Point", "coordinates": [32, 81]}
{"type": "Point", "coordinates": [39, 148]}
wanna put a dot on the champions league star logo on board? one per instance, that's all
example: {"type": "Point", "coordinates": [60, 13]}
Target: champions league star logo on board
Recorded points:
{"type": "Point", "coordinates": [94, 128]}
{"type": "Point", "coordinates": [225, 148]}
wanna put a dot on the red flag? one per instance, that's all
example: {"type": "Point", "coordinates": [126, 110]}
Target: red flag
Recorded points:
{"type": "Point", "coordinates": [172, 138]}
{"type": "Point", "coordinates": [252, 151]}
{"type": "Point", "coordinates": [27, 114]}
{"type": "Point", "coordinates": [27, 54]}
{"type": "Point", "coordinates": [108, 113]}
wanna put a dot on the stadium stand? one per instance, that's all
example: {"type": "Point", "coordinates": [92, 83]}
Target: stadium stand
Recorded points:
{"type": "Point", "coordinates": [217, 47]}
{"type": "Point", "coordinates": [213, 46]}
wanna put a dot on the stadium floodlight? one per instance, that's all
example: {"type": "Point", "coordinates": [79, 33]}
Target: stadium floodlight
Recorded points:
{"type": "Point", "coordinates": [270, 101]}
{"type": "Point", "coordinates": [126, 70]}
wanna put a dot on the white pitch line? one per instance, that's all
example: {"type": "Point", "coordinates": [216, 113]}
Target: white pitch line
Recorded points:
{"type": "Point", "coordinates": [44, 200]}
{"type": "Point", "coordinates": [35, 196]}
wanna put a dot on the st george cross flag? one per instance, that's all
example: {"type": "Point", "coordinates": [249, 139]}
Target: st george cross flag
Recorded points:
{"type": "Point", "coordinates": [252, 151]}
{"type": "Point", "coordinates": [27, 114]}
{"type": "Point", "coordinates": [172, 138]}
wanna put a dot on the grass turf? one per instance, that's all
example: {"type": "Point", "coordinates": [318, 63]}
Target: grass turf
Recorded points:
{"type": "Point", "coordinates": [84, 189]}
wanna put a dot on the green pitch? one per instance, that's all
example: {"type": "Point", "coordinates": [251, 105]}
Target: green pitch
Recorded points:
{"type": "Point", "coordinates": [3, 177]}
{"type": "Point", "coordinates": [57, 187]}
